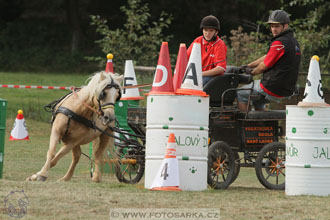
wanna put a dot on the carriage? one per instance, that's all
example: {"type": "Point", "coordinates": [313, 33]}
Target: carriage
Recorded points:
{"type": "Point", "coordinates": [236, 139]}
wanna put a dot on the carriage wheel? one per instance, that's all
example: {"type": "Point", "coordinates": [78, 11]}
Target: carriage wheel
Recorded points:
{"type": "Point", "coordinates": [130, 165]}
{"type": "Point", "coordinates": [270, 166]}
{"type": "Point", "coordinates": [237, 166]}
{"type": "Point", "coordinates": [221, 165]}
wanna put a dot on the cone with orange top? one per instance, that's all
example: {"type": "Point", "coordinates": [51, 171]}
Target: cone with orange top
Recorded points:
{"type": "Point", "coordinates": [109, 66]}
{"type": "Point", "coordinates": [180, 66]}
{"type": "Point", "coordinates": [163, 80]}
{"type": "Point", "coordinates": [313, 95]}
{"type": "Point", "coordinates": [167, 178]}
{"type": "Point", "coordinates": [19, 131]}
{"type": "Point", "coordinates": [192, 83]}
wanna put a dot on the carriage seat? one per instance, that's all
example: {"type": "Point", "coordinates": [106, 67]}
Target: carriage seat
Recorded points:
{"type": "Point", "coordinates": [216, 86]}
{"type": "Point", "coordinates": [219, 84]}
{"type": "Point", "coordinates": [267, 115]}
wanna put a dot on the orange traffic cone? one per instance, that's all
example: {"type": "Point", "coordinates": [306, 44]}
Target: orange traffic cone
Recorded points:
{"type": "Point", "coordinates": [192, 83]}
{"type": "Point", "coordinates": [19, 131]}
{"type": "Point", "coordinates": [163, 80]}
{"type": "Point", "coordinates": [167, 178]}
{"type": "Point", "coordinates": [180, 66]}
{"type": "Point", "coordinates": [109, 66]}
{"type": "Point", "coordinates": [313, 95]}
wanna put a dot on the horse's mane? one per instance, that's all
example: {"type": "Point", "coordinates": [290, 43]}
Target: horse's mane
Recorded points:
{"type": "Point", "coordinates": [95, 86]}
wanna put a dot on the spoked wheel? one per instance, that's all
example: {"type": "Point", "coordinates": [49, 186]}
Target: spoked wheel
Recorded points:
{"type": "Point", "coordinates": [270, 166]}
{"type": "Point", "coordinates": [237, 166]}
{"type": "Point", "coordinates": [221, 165]}
{"type": "Point", "coordinates": [130, 164]}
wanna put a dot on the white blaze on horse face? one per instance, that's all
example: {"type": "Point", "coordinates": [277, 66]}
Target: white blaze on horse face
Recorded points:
{"type": "Point", "coordinates": [109, 110]}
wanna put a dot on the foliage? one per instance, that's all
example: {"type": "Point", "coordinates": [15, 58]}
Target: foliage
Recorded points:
{"type": "Point", "coordinates": [37, 45]}
{"type": "Point", "coordinates": [138, 40]}
{"type": "Point", "coordinates": [313, 38]}
{"type": "Point", "coordinates": [245, 47]}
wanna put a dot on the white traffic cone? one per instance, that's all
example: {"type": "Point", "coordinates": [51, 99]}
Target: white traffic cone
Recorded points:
{"type": "Point", "coordinates": [19, 131]}
{"type": "Point", "coordinates": [192, 83]}
{"type": "Point", "coordinates": [313, 95]}
{"type": "Point", "coordinates": [167, 178]}
{"type": "Point", "coordinates": [130, 80]}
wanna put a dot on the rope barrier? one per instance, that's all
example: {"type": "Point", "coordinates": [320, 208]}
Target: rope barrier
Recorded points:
{"type": "Point", "coordinates": [37, 87]}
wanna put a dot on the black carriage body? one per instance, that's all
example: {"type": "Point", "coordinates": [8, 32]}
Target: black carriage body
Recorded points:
{"type": "Point", "coordinates": [256, 134]}
{"type": "Point", "coordinates": [240, 139]}
{"type": "Point", "coordinates": [137, 119]}
{"type": "Point", "coordinates": [246, 132]}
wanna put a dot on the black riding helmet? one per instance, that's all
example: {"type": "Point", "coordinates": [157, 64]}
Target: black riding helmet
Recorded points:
{"type": "Point", "coordinates": [278, 17]}
{"type": "Point", "coordinates": [210, 21]}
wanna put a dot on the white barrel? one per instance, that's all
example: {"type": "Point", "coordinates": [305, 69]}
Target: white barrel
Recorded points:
{"type": "Point", "coordinates": [187, 117]}
{"type": "Point", "coordinates": [307, 151]}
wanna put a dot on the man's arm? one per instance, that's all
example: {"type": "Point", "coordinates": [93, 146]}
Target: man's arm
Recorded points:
{"type": "Point", "coordinates": [259, 69]}
{"type": "Point", "coordinates": [256, 62]}
{"type": "Point", "coordinates": [213, 72]}
{"type": "Point", "coordinates": [275, 52]}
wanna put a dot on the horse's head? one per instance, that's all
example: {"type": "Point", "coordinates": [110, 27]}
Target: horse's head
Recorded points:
{"type": "Point", "coordinates": [107, 92]}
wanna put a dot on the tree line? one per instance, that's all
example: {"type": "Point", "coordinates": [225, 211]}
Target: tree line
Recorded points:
{"type": "Point", "coordinates": [75, 36]}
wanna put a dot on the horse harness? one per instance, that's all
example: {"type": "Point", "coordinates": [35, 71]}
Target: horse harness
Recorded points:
{"type": "Point", "coordinates": [72, 115]}
{"type": "Point", "coordinates": [103, 94]}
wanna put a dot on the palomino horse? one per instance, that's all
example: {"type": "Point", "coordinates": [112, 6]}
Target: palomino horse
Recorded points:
{"type": "Point", "coordinates": [80, 118]}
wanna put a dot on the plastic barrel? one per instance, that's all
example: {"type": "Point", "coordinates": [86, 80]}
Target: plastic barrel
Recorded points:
{"type": "Point", "coordinates": [3, 107]}
{"type": "Point", "coordinates": [307, 151]}
{"type": "Point", "coordinates": [186, 117]}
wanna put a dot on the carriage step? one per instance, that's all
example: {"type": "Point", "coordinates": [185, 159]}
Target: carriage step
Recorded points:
{"type": "Point", "coordinates": [263, 115]}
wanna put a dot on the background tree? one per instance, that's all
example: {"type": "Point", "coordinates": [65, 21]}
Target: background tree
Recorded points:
{"type": "Point", "coordinates": [56, 36]}
{"type": "Point", "coordinates": [139, 40]}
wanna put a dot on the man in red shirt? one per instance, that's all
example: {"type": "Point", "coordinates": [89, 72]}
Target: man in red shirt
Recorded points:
{"type": "Point", "coordinates": [279, 66]}
{"type": "Point", "coordinates": [213, 49]}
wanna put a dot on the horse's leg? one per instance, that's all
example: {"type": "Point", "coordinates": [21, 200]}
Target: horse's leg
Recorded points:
{"type": "Point", "coordinates": [101, 145]}
{"type": "Point", "coordinates": [42, 174]}
{"type": "Point", "coordinates": [76, 153]}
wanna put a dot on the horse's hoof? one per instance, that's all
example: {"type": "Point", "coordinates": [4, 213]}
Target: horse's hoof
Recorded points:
{"type": "Point", "coordinates": [32, 178]}
{"type": "Point", "coordinates": [62, 179]}
{"type": "Point", "coordinates": [41, 178]}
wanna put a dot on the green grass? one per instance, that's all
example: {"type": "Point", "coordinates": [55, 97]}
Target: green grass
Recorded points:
{"type": "Point", "coordinates": [82, 199]}
{"type": "Point", "coordinates": [31, 101]}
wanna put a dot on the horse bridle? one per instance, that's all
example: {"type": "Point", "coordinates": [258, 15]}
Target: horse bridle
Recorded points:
{"type": "Point", "coordinates": [102, 95]}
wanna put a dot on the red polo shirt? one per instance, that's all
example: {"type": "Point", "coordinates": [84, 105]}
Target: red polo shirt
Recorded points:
{"type": "Point", "coordinates": [213, 53]}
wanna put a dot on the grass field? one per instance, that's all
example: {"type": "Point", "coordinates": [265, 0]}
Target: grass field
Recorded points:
{"type": "Point", "coordinates": [82, 199]}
